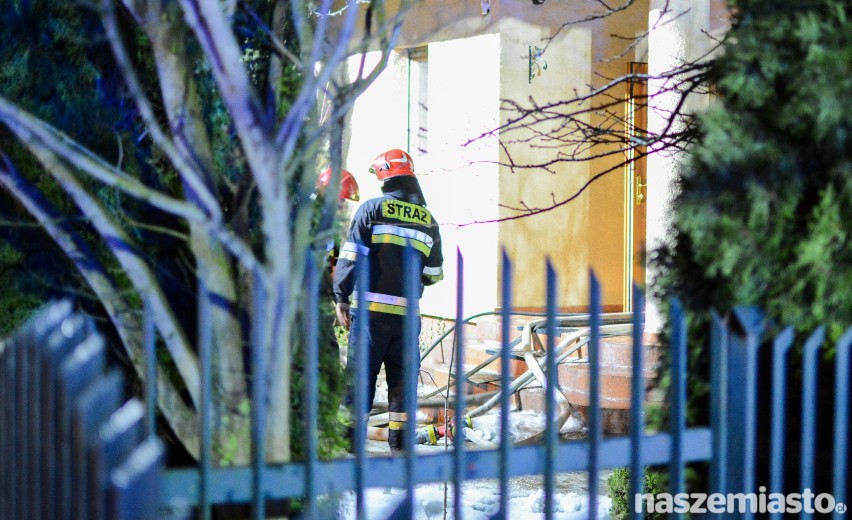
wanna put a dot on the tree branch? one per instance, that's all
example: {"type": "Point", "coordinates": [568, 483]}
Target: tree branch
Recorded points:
{"type": "Point", "coordinates": [214, 34]}
{"type": "Point", "coordinates": [138, 272]}
{"type": "Point", "coordinates": [123, 318]}
{"type": "Point", "coordinates": [30, 130]}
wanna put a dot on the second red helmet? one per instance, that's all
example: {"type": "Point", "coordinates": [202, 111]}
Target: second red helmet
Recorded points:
{"type": "Point", "coordinates": [348, 185]}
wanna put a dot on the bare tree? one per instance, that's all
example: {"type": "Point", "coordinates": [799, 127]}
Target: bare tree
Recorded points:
{"type": "Point", "coordinates": [281, 143]}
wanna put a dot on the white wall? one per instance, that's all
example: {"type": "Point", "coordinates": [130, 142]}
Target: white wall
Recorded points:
{"type": "Point", "coordinates": [459, 182]}
{"type": "Point", "coordinates": [676, 38]}
{"type": "Point", "coordinates": [377, 122]}
{"type": "Point", "coordinates": [464, 88]}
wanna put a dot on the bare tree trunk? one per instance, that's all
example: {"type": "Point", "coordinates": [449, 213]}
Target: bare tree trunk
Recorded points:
{"type": "Point", "coordinates": [168, 40]}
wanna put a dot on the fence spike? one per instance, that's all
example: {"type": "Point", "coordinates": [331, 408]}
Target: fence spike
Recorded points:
{"type": "Point", "coordinates": [149, 339]}
{"type": "Point", "coordinates": [505, 369]}
{"type": "Point", "coordinates": [411, 361]}
{"type": "Point", "coordinates": [550, 399]}
{"type": "Point", "coordinates": [677, 416]}
{"type": "Point", "coordinates": [91, 408]}
{"type": "Point", "coordinates": [780, 347]}
{"type": "Point", "coordinates": [459, 438]}
{"type": "Point", "coordinates": [744, 336]}
{"type": "Point", "coordinates": [810, 359]}
{"type": "Point", "coordinates": [311, 386]}
{"type": "Point", "coordinates": [751, 320]}
{"type": "Point", "coordinates": [258, 391]}
{"type": "Point", "coordinates": [637, 401]}
{"type": "Point", "coordinates": [841, 420]}
{"type": "Point", "coordinates": [205, 338]}
{"type": "Point", "coordinates": [361, 357]}
{"type": "Point", "coordinates": [719, 402]}
{"type": "Point", "coordinates": [595, 433]}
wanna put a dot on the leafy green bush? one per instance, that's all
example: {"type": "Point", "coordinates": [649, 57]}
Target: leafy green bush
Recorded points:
{"type": "Point", "coordinates": [618, 485]}
{"type": "Point", "coordinates": [762, 210]}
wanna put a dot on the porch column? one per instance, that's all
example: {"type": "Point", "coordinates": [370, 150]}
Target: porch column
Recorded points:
{"type": "Point", "coordinates": [676, 37]}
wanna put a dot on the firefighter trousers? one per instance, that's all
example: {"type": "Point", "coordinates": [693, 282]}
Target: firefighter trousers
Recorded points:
{"type": "Point", "coordinates": [385, 343]}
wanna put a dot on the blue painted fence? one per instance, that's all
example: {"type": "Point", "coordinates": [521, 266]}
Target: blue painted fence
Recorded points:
{"type": "Point", "coordinates": [58, 434]}
{"type": "Point", "coordinates": [72, 446]}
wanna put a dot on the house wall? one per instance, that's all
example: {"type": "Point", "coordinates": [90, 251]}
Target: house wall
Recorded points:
{"type": "Point", "coordinates": [474, 62]}
{"type": "Point", "coordinates": [561, 235]}
{"type": "Point", "coordinates": [461, 180]}
{"type": "Point", "coordinates": [679, 39]}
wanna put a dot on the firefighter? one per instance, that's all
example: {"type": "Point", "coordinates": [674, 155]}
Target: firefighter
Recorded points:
{"type": "Point", "coordinates": [330, 359]}
{"type": "Point", "coordinates": [381, 228]}
{"type": "Point", "coordinates": [347, 201]}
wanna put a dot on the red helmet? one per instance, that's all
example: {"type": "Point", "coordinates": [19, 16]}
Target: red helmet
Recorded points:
{"type": "Point", "coordinates": [392, 163]}
{"type": "Point", "coordinates": [348, 185]}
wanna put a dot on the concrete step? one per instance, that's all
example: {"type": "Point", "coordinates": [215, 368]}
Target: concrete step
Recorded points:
{"type": "Point", "coordinates": [618, 351]}
{"type": "Point", "coordinates": [489, 328]}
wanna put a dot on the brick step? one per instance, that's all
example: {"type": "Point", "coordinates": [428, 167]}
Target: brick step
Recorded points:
{"type": "Point", "coordinates": [433, 328]}
{"type": "Point", "coordinates": [615, 406]}
{"type": "Point", "coordinates": [573, 373]}
{"type": "Point", "coordinates": [568, 372]}
{"type": "Point", "coordinates": [615, 384]}
{"type": "Point", "coordinates": [614, 421]}
{"type": "Point", "coordinates": [489, 328]}
{"type": "Point", "coordinates": [481, 339]}
{"type": "Point", "coordinates": [475, 352]}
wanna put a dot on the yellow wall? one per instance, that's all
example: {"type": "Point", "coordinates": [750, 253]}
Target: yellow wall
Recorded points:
{"type": "Point", "coordinates": [607, 195]}
{"type": "Point", "coordinates": [562, 234]}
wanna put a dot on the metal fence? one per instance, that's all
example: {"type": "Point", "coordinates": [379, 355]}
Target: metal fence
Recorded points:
{"type": "Point", "coordinates": [313, 477]}
{"type": "Point", "coordinates": [46, 375]}
{"type": "Point", "coordinates": [756, 406]}
{"type": "Point", "coordinates": [71, 445]}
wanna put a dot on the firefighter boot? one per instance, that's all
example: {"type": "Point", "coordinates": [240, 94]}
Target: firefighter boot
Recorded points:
{"type": "Point", "coordinates": [395, 440]}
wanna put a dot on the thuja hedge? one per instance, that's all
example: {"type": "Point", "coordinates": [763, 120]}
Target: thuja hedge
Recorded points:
{"type": "Point", "coordinates": [764, 202]}
{"type": "Point", "coordinates": [764, 205]}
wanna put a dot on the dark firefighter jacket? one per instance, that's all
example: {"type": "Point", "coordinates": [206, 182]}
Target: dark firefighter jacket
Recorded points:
{"type": "Point", "coordinates": [380, 229]}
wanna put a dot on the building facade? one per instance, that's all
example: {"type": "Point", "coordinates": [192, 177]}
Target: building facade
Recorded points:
{"type": "Point", "coordinates": [478, 92]}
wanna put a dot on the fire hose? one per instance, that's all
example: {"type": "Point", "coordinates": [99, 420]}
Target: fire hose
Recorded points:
{"type": "Point", "coordinates": [566, 347]}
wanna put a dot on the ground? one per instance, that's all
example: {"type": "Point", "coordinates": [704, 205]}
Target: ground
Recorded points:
{"type": "Point", "coordinates": [481, 497]}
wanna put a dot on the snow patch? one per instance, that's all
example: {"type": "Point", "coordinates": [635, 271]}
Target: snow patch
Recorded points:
{"type": "Point", "coordinates": [480, 501]}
